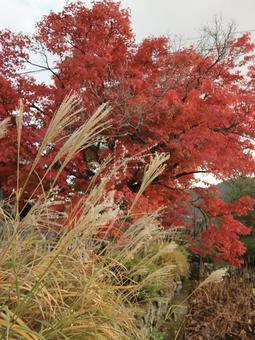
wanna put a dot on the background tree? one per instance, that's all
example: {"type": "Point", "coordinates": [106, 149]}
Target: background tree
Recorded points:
{"type": "Point", "coordinates": [234, 189]}
{"type": "Point", "coordinates": [195, 103]}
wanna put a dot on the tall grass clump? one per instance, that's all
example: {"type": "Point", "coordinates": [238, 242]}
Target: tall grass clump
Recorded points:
{"type": "Point", "coordinates": [73, 284]}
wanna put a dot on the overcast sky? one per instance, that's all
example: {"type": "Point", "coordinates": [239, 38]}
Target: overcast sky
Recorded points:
{"type": "Point", "coordinates": [149, 17]}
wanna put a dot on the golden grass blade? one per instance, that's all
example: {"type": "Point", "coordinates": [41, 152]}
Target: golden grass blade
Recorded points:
{"type": "Point", "coordinates": [19, 118]}
{"type": "Point", "coordinates": [152, 171]}
{"type": "Point", "coordinates": [4, 127]}
{"type": "Point", "coordinates": [19, 123]}
{"type": "Point", "coordinates": [82, 138]}
{"type": "Point", "coordinates": [139, 234]}
{"type": "Point", "coordinates": [215, 277]}
{"type": "Point", "coordinates": [18, 327]}
{"type": "Point", "coordinates": [65, 116]}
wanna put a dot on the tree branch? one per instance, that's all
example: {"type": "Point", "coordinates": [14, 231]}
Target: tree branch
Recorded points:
{"type": "Point", "coordinates": [190, 173]}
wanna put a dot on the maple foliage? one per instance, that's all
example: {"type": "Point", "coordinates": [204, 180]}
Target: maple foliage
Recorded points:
{"type": "Point", "coordinates": [197, 104]}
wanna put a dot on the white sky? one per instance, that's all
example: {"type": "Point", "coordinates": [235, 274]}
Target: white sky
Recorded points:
{"type": "Point", "coordinates": [149, 17]}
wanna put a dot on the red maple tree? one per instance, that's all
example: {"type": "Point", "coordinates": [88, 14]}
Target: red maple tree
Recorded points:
{"type": "Point", "coordinates": [195, 103]}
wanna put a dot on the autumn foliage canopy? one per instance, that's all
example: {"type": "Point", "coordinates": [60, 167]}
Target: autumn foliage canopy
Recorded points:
{"type": "Point", "coordinates": [195, 103]}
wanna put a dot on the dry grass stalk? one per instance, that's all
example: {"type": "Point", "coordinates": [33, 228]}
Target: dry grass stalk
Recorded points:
{"type": "Point", "coordinates": [64, 117]}
{"type": "Point", "coordinates": [4, 127]}
{"type": "Point", "coordinates": [83, 137]}
{"type": "Point", "coordinates": [216, 276]}
{"type": "Point", "coordinates": [19, 123]}
{"type": "Point", "coordinates": [152, 171]}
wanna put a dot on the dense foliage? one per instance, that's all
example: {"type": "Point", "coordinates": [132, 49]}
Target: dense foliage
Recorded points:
{"type": "Point", "coordinates": [195, 103]}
